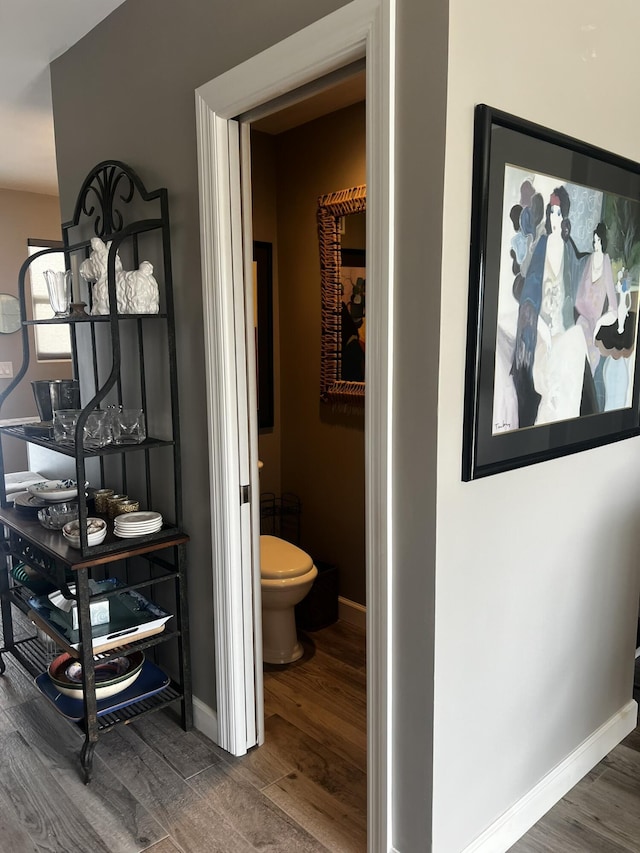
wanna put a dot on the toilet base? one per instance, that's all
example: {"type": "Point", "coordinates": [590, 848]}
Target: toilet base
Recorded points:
{"type": "Point", "coordinates": [269, 656]}
{"type": "Point", "coordinates": [280, 642]}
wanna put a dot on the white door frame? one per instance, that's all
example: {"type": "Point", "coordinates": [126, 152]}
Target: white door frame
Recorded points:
{"type": "Point", "coordinates": [362, 28]}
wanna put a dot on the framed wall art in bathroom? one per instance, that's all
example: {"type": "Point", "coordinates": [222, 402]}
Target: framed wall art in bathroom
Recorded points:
{"type": "Point", "coordinates": [263, 320]}
{"type": "Point", "coordinates": [552, 362]}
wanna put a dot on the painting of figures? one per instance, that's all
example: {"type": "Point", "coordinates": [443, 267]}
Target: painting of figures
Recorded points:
{"type": "Point", "coordinates": [567, 312]}
{"type": "Point", "coordinates": [552, 360]}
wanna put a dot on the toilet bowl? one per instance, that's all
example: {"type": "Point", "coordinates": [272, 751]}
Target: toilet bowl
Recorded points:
{"type": "Point", "coordinates": [287, 574]}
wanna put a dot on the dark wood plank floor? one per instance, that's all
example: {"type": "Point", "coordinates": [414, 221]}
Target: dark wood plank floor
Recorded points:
{"type": "Point", "coordinates": [163, 790]}
{"type": "Point", "coordinates": [601, 814]}
{"type": "Point", "coordinates": [160, 789]}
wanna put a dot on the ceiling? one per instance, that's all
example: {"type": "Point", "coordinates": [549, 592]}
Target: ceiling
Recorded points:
{"type": "Point", "coordinates": [35, 32]}
{"type": "Point", "coordinates": [32, 34]}
{"type": "Point", "coordinates": [325, 95]}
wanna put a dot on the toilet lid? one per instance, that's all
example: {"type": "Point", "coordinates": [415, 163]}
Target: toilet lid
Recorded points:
{"type": "Point", "coordinates": [281, 559]}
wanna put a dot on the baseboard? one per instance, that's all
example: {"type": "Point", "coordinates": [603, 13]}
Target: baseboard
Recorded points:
{"type": "Point", "coordinates": [513, 824]}
{"type": "Point", "coordinates": [352, 612]}
{"type": "Point", "coordinates": [205, 719]}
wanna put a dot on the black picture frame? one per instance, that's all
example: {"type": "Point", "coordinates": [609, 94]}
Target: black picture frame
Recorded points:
{"type": "Point", "coordinates": [527, 400]}
{"type": "Point", "coordinates": [263, 260]}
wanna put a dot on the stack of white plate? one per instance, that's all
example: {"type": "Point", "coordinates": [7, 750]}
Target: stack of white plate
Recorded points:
{"type": "Point", "coordinates": [128, 525]}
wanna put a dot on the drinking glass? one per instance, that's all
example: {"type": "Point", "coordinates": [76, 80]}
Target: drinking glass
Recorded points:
{"type": "Point", "coordinates": [64, 425]}
{"type": "Point", "coordinates": [128, 426]}
{"type": "Point", "coordinates": [97, 430]}
{"type": "Point", "coordinates": [59, 287]}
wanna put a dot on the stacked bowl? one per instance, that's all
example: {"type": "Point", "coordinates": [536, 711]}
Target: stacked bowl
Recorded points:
{"type": "Point", "coordinates": [96, 532]}
{"type": "Point", "coordinates": [112, 676]}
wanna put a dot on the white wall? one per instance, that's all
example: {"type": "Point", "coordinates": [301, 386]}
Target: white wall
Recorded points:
{"type": "Point", "coordinates": [537, 568]}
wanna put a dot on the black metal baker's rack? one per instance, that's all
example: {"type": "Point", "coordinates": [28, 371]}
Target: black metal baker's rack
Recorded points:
{"type": "Point", "coordinates": [120, 360]}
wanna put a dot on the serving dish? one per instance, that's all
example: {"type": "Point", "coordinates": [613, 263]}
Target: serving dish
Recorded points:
{"type": "Point", "coordinates": [131, 616]}
{"type": "Point", "coordinates": [111, 676]}
{"type": "Point", "coordinates": [54, 516]}
{"type": "Point", "coordinates": [151, 680]}
{"type": "Point", "coordinates": [54, 490]}
{"type": "Point", "coordinates": [27, 503]}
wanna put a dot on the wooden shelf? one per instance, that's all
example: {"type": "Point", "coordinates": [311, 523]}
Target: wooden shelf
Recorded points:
{"type": "Point", "coordinates": [55, 546]}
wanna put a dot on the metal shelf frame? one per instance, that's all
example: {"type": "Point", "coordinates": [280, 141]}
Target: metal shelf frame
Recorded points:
{"type": "Point", "coordinates": [116, 359]}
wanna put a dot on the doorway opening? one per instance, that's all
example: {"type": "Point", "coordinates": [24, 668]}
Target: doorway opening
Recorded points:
{"type": "Point", "coordinates": [357, 30]}
{"type": "Point", "coordinates": [313, 452]}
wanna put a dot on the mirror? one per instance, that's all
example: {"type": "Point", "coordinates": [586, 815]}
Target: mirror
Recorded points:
{"type": "Point", "coordinates": [341, 234]}
{"type": "Point", "coordinates": [9, 314]}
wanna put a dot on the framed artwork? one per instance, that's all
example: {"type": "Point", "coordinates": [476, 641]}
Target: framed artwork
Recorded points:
{"type": "Point", "coordinates": [343, 285]}
{"type": "Point", "coordinates": [552, 362]}
{"type": "Point", "coordinates": [353, 282]}
{"type": "Point", "coordinates": [263, 319]}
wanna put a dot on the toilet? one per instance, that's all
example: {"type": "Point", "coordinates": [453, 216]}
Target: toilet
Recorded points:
{"type": "Point", "coordinates": [287, 574]}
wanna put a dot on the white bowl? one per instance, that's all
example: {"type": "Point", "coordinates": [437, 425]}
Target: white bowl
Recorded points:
{"type": "Point", "coordinates": [97, 530]}
{"type": "Point", "coordinates": [54, 490]}
{"type": "Point", "coordinates": [75, 541]}
{"type": "Point", "coordinates": [94, 527]}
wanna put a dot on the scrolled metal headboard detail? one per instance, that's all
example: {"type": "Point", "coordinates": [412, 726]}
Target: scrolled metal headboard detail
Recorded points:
{"type": "Point", "coordinates": [108, 186]}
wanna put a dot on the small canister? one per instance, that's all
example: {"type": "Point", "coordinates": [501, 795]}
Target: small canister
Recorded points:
{"type": "Point", "coordinates": [127, 506]}
{"type": "Point", "coordinates": [112, 504]}
{"type": "Point", "coordinates": [101, 498]}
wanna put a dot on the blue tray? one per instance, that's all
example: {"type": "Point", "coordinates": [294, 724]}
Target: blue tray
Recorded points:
{"type": "Point", "coordinates": [150, 681]}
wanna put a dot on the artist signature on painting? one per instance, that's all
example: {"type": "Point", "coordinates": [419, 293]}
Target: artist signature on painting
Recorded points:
{"type": "Point", "coordinates": [501, 427]}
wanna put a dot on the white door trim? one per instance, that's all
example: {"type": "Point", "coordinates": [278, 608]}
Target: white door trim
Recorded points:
{"type": "Point", "coordinates": [362, 28]}
{"type": "Point", "coordinates": [215, 162]}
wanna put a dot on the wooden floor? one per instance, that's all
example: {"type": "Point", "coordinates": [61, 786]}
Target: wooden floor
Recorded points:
{"type": "Point", "coordinates": [158, 788]}
{"type": "Point", "coordinates": [601, 814]}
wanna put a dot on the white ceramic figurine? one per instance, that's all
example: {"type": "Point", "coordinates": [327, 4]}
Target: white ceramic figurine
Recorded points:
{"type": "Point", "coordinates": [141, 292]}
{"type": "Point", "coordinates": [94, 268]}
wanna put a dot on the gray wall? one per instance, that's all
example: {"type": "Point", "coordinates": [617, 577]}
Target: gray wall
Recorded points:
{"type": "Point", "coordinates": [126, 92]}
{"type": "Point", "coordinates": [537, 568]}
{"type": "Point", "coordinates": [422, 33]}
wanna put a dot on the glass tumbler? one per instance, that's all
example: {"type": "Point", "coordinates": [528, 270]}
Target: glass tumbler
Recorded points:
{"type": "Point", "coordinates": [64, 425]}
{"type": "Point", "coordinates": [128, 426]}
{"type": "Point", "coordinates": [59, 287]}
{"type": "Point", "coordinates": [97, 430]}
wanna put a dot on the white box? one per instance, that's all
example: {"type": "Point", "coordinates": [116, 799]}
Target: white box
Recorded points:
{"type": "Point", "coordinates": [98, 610]}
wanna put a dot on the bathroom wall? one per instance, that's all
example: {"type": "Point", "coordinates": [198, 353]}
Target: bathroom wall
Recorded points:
{"type": "Point", "coordinates": [265, 228]}
{"type": "Point", "coordinates": [23, 215]}
{"type": "Point", "coordinates": [321, 450]}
